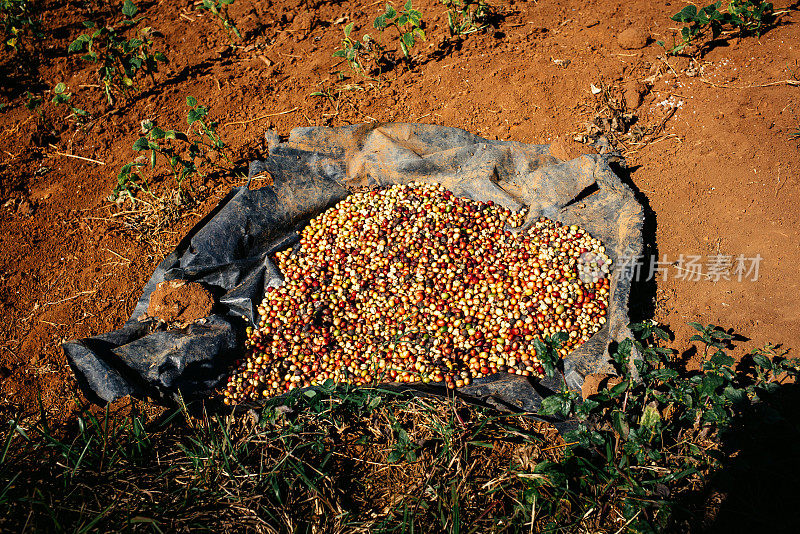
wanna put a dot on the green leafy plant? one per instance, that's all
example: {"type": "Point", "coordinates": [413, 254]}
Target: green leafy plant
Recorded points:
{"type": "Point", "coordinates": [16, 17]}
{"type": "Point", "coordinates": [219, 9]}
{"type": "Point", "coordinates": [641, 435]}
{"type": "Point", "coordinates": [745, 15]}
{"type": "Point", "coordinates": [120, 59]}
{"type": "Point", "coordinates": [750, 17]}
{"type": "Point", "coordinates": [407, 22]}
{"type": "Point", "coordinates": [186, 153]}
{"type": "Point", "coordinates": [467, 16]}
{"type": "Point", "coordinates": [352, 50]}
{"type": "Point", "coordinates": [62, 97]}
{"type": "Point", "coordinates": [32, 102]}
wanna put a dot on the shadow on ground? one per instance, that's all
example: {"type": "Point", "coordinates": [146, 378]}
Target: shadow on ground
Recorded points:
{"type": "Point", "coordinates": [757, 488]}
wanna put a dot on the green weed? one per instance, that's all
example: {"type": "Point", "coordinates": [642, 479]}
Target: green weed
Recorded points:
{"type": "Point", "coordinates": [219, 10]}
{"type": "Point", "coordinates": [62, 97]}
{"type": "Point", "coordinates": [120, 59]}
{"type": "Point", "coordinates": [745, 15]}
{"type": "Point", "coordinates": [407, 22]}
{"type": "Point", "coordinates": [467, 16]}
{"type": "Point", "coordinates": [358, 53]}
{"type": "Point", "coordinates": [186, 153]}
{"type": "Point", "coordinates": [16, 17]}
{"type": "Point", "coordinates": [647, 435]}
{"type": "Point", "coordinates": [366, 55]}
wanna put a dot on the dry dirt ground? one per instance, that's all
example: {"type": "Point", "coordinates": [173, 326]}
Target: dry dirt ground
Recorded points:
{"type": "Point", "coordinates": [710, 152]}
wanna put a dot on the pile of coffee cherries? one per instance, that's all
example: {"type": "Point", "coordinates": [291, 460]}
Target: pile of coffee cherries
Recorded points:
{"type": "Point", "coordinates": [413, 284]}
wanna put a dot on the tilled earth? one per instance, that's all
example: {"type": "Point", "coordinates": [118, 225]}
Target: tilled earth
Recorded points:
{"type": "Point", "coordinates": [707, 142]}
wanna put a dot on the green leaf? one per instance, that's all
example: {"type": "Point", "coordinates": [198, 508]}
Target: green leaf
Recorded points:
{"type": "Point", "coordinates": [620, 423]}
{"type": "Point", "coordinates": [390, 12]}
{"type": "Point", "coordinates": [738, 397]}
{"type": "Point", "coordinates": [687, 14]}
{"type": "Point", "coordinates": [619, 388]}
{"type": "Point", "coordinates": [720, 359]}
{"type": "Point", "coordinates": [710, 383]}
{"type": "Point", "coordinates": [78, 44]}
{"type": "Point", "coordinates": [650, 417]}
{"type": "Point", "coordinates": [552, 405]}
{"type": "Point", "coordinates": [407, 42]}
{"type": "Point", "coordinates": [129, 9]}
{"type": "Point", "coordinates": [60, 88]}
{"type": "Point", "coordinates": [348, 29]}
{"type": "Point", "coordinates": [196, 114]}
{"type": "Point", "coordinates": [141, 144]}
{"type": "Point", "coordinates": [408, 6]}
{"type": "Point", "coordinates": [191, 101]}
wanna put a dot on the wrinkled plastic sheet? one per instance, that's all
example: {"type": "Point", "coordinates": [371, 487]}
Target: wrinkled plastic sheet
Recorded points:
{"type": "Point", "coordinates": [229, 251]}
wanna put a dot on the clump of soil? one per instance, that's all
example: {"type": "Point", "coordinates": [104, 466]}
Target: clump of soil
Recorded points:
{"type": "Point", "coordinates": [178, 303]}
{"type": "Point", "coordinates": [633, 38]}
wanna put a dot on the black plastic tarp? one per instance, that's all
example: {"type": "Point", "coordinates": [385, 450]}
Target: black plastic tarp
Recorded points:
{"type": "Point", "coordinates": [229, 251]}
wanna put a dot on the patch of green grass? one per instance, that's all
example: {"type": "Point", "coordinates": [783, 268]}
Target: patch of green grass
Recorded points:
{"type": "Point", "coordinates": [120, 59]}
{"type": "Point", "coordinates": [747, 16]}
{"type": "Point", "coordinates": [341, 459]}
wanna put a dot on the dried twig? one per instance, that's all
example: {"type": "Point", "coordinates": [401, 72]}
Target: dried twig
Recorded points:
{"type": "Point", "coordinates": [262, 117]}
{"type": "Point", "coordinates": [90, 160]}
{"type": "Point", "coordinates": [795, 83]}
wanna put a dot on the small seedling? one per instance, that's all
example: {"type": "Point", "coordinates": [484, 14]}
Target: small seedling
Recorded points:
{"type": "Point", "coordinates": [750, 17]}
{"type": "Point", "coordinates": [219, 9]}
{"type": "Point", "coordinates": [186, 153]}
{"type": "Point", "coordinates": [467, 16]}
{"type": "Point", "coordinates": [16, 17]}
{"type": "Point", "coordinates": [747, 16]}
{"type": "Point", "coordinates": [351, 50]}
{"type": "Point", "coordinates": [61, 96]}
{"type": "Point", "coordinates": [32, 102]}
{"type": "Point", "coordinates": [120, 59]}
{"type": "Point", "coordinates": [407, 23]}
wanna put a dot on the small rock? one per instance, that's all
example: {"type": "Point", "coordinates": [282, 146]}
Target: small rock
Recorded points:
{"type": "Point", "coordinates": [633, 38]}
